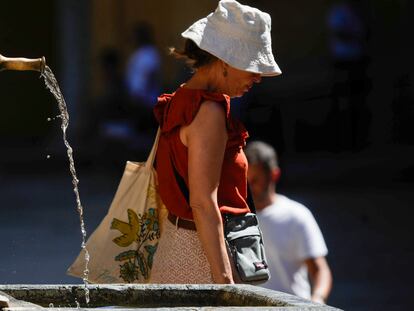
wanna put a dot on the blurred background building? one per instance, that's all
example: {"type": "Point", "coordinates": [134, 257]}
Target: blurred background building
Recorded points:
{"type": "Point", "coordinates": [341, 116]}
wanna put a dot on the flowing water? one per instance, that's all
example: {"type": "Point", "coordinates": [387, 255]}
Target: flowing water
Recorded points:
{"type": "Point", "coordinates": [52, 85]}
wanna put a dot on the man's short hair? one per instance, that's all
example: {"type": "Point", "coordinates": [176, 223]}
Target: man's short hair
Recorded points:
{"type": "Point", "coordinates": [258, 152]}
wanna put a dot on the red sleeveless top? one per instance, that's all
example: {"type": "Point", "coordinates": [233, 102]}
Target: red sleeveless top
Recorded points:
{"type": "Point", "coordinates": [178, 109]}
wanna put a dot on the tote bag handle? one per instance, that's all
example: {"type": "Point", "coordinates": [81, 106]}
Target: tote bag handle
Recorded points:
{"type": "Point", "coordinates": [151, 158]}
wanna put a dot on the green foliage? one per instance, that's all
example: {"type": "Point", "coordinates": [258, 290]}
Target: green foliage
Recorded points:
{"type": "Point", "coordinates": [144, 231]}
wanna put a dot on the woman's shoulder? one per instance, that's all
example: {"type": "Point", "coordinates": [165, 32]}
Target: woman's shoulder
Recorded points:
{"type": "Point", "coordinates": [181, 107]}
{"type": "Point", "coordinates": [192, 99]}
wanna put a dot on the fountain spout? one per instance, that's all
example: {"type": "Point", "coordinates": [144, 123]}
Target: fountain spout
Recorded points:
{"type": "Point", "coordinates": [19, 63]}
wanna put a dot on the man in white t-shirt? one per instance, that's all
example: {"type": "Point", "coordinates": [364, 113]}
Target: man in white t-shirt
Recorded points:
{"type": "Point", "coordinates": [294, 244]}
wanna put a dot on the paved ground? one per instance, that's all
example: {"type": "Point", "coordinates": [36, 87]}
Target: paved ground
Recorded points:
{"type": "Point", "coordinates": [361, 200]}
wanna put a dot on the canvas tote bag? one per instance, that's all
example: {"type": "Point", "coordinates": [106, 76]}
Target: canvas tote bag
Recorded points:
{"type": "Point", "coordinates": [122, 248]}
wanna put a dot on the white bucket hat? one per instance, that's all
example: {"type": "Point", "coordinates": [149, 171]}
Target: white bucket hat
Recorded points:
{"type": "Point", "coordinates": [237, 34]}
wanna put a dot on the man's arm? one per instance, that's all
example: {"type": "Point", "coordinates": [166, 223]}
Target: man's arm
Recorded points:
{"type": "Point", "coordinates": [320, 277]}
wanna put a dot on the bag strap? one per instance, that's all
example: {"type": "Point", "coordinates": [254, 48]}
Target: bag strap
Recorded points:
{"type": "Point", "coordinates": [186, 194]}
{"type": "Point", "coordinates": [250, 201]}
{"type": "Point", "coordinates": [181, 182]}
{"type": "Point", "coordinates": [151, 158]}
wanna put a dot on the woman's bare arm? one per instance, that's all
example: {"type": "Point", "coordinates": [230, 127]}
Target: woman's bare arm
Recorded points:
{"type": "Point", "coordinates": [206, 139]}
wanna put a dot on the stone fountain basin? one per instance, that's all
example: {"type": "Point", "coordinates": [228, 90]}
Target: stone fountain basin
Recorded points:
{"type": "Point", "coordinates": [153, 296]}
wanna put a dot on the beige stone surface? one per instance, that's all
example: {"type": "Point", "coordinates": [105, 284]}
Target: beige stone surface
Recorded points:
{"type": "Point", "coordinates": [4, 301]}
{"type": "Point", "coordinates": [163, 297]}
{"type": "Point", "coordinates": [7, 302]}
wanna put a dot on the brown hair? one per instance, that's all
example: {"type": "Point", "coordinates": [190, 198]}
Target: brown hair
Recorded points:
{"type": "Point", "coordinates": [193, 55]}
{"type": "Point", "coordinates": [258, 152]}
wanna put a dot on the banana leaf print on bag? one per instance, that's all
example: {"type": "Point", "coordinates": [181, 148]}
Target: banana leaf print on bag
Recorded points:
{"type": "Point", "coordinates": [143, 230]}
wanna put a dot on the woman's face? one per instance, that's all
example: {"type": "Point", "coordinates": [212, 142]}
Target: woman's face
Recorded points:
{"type": "Point", "coordinates": [239, 81]}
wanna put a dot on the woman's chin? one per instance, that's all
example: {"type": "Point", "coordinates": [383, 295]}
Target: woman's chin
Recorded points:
{"type": "Point", "coordinates": [240, 94]}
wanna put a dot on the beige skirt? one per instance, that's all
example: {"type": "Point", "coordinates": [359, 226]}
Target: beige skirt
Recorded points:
{"type": "Point", "coordinates": [180, 258]}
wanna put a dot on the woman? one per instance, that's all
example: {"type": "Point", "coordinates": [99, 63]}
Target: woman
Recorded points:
{"type": "Point", "coordinates": [200, 161]}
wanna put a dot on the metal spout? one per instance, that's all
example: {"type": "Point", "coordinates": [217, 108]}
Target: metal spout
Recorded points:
{"type": "Point", "coordinates": [19, 63]}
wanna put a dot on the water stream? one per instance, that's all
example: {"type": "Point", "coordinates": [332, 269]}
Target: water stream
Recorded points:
{"type": "Point", "coordinates": [53, 86]}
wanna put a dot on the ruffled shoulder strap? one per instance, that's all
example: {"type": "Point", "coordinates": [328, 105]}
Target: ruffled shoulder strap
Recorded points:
{"type": "Point", "coordinates": [181, 107]}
